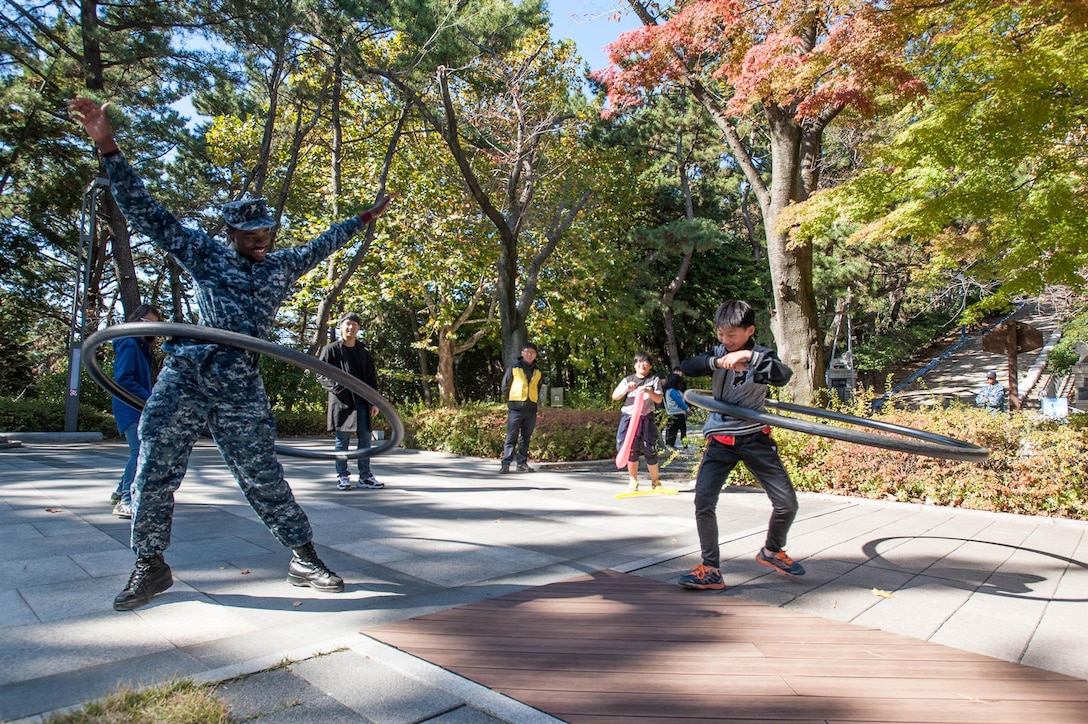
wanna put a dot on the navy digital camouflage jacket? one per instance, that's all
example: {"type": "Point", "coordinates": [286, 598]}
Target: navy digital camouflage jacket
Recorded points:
{"type": "Point", "coordinates": [233, 293]}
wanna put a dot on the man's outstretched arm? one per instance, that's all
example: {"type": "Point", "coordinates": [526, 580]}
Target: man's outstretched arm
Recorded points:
{"type": "Point", "coordinates": [301, 259]}
{"type": "Point", "coordinates": [143, 212]}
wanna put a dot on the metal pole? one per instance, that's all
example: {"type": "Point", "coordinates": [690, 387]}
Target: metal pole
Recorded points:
{"type": "Point", "coordinates": [1013, 390]}
{"type": "Point", "coordinates": [82, 282]}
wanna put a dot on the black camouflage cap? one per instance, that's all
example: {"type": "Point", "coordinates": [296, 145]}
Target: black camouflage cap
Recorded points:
{"type": "Point", "coordinates": [247, 215]}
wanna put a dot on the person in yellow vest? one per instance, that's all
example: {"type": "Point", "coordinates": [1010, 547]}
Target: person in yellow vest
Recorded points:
{"type": "Point", "coordinates": [522, 383]}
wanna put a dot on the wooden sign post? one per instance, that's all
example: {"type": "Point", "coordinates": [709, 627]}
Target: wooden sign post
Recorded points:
{"type": "Point", "coordinates": [1011, 339]}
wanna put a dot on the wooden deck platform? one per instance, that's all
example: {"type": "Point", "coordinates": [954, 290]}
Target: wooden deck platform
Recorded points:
{"type": "Point", "coordinates": [612, 647]}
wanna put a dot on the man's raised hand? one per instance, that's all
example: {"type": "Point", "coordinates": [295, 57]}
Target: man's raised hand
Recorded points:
{"type": "Point", "coordinates": [94, 120]}
{"type": "Point", "coordinates": [377, 209]}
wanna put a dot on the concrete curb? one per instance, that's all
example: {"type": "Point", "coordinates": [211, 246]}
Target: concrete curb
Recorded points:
{"type": "Point", "coordinates": [51, 438]}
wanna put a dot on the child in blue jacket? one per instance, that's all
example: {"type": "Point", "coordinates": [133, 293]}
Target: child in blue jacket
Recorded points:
{"type": "Point", "coordinates": [132, 369]}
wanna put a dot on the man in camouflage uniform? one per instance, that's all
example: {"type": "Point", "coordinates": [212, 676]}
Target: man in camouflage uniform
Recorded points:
{"type": "Point", "coordinates": [239, 288]}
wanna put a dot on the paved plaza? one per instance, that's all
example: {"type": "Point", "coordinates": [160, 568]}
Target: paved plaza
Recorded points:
{"type": "Point", "coordinates": [450, 530]}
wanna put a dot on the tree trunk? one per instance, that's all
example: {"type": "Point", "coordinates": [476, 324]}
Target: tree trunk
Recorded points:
{"type": "Point", "coordinates": [124, 266]}
{"type": "Point", "coordinates": [668, 298]}
{"type": "Point", "coordinates": [321, 330]}
{"type": "Point", "coordinates": [259, 175]}
{"type": "Point", "coordinates": [749, 225]}
{"type": "Point", "coordinates": [120, 241]}
{"type": "Point", "coordinates": [324, 309]}
{"type": "Point", "coordinates": [447, 389]}
{"type": "Point", "coordinates": [794, 320]}
{"type": "Point", "coordinates": [176, 291]}
{"type": "Point", "coordinates": [424, 367]}
{"type": "Point", "coordinates": [514, 308]}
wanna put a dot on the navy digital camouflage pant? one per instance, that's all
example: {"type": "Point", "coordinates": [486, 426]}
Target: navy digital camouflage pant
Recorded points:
{"type": "Point", "coordinates": [226, 394]}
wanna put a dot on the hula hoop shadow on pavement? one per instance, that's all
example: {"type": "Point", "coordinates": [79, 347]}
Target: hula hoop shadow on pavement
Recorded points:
{"type": "Point", "coordinates": [911, 440]}
{"type": "Point", "coordinates": [226, 338]}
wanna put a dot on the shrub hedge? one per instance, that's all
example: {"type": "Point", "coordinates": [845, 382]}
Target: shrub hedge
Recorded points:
{"type": "Point", "coordinates": [1035, 467]}
{"type": "Point", "coordinates": [38, 415]}
{"type": "Point", "coordinates": [560, 435]}
{"type": "Point", "coordinates": [300, 423]}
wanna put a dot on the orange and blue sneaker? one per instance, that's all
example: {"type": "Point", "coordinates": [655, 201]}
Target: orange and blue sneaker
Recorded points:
{"type": "Point", "coordinates": [702, 578]}
{"type": "Point", "coordinates": [780, 562]}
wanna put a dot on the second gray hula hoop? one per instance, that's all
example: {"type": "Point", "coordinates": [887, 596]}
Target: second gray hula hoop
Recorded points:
{"type": "Point", "coordinates": [224, 337]}
{"type": "Point", "coordinates": [911, 440]}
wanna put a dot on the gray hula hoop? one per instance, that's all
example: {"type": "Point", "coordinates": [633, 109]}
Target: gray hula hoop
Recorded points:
{"type": "Point", "coordinates": [252, 344]}
{"type": "Point", "coordinates": [913, 441]}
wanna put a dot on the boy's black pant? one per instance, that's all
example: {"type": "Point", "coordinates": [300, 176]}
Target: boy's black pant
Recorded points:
{"type": "Point", "coordinates": [759, 454]}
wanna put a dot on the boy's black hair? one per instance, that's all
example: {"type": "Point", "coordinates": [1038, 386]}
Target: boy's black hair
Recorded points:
{"type": "Point", "coordinates": [643, 357]}
{"type": "Point", "coordinates": [529, 345]}
{"type": "Point", "coordinates": [735, 313]}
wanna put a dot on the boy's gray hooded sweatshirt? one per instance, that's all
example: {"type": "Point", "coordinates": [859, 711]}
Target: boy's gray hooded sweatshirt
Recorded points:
{"type": "Point", "coordinates": [745, 389]}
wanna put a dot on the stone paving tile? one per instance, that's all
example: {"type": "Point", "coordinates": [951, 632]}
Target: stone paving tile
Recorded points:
{"type": "Point", "coordinates": [257, 697]}
{"type": "Point", "coordinates": [464, 715]}
{"type": "Point", "coordinates": [92, 681]}
{"type": "Point", "coordinates": [206, 550]}
{"type": "Point", "coordinates": [371, 550]}
{"type": "Point", "coordinates": [917, 554]}
{"type": "Point", "coordinates": [997, 637]}
{"type": "Point", "coordinates": [469, 564]}
{"type": "Point", "coordinates": [1073, 583]}
{"type": "Point", "coordinates": [194, 619]}
{"type": "Point", "coordinates": [20, 571]}
{"type": "Point", "coordinates": [1060, 640]}
{"type": "Point", "coordinates": [93, 596]}
{"type": "Point", "coordinates": [40, 650]}
{"type": "Point", "coordinates": [14, 610]}
{"type": "Point", "coordinates": [380, 694]}
{"type": "Point", "coordinates": [14, 531]}
{"type": "Point", "coordinates": [979, 557]}
{"type": "Point", "coordinates": [28, 549]}
{"type": "Point", "coordinates": [105, 563]}
{"type": "Point", "coordinates": [919, 609]}
{"type": "Point", "coordinates": [212, 524]}
{"type": "Point", "coordinates": [845, 597]}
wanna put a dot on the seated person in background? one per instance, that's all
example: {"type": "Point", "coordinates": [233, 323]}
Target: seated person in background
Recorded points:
{"type": "Point", "coordinates": [993, 396]}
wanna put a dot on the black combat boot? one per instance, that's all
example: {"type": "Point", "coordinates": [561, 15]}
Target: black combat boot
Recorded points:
{"type": "Point", "coordinates": [306, 569]}
{"type": "Point", "coordinates": [151, 576]}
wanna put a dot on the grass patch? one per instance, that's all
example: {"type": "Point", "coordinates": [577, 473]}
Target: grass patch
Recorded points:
{"type": "Point", "coordinates": [181, 701]}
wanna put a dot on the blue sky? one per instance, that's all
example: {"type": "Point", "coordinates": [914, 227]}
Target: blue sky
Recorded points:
{"type": "Point", "coordinates": [591, 24]}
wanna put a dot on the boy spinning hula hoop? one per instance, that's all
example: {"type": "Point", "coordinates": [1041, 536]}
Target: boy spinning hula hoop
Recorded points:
{"type": "Point", "coordinates": [741, 370]}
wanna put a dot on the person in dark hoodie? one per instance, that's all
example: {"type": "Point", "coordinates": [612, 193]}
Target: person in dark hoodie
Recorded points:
{"type": "Point", "coordinates": [522, 385]}
{"type": "Point", "coordinates": [741, 370]}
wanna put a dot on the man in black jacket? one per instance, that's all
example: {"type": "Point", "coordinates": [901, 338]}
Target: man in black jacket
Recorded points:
{"type": "Point", "coordinates": [347, 411]}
